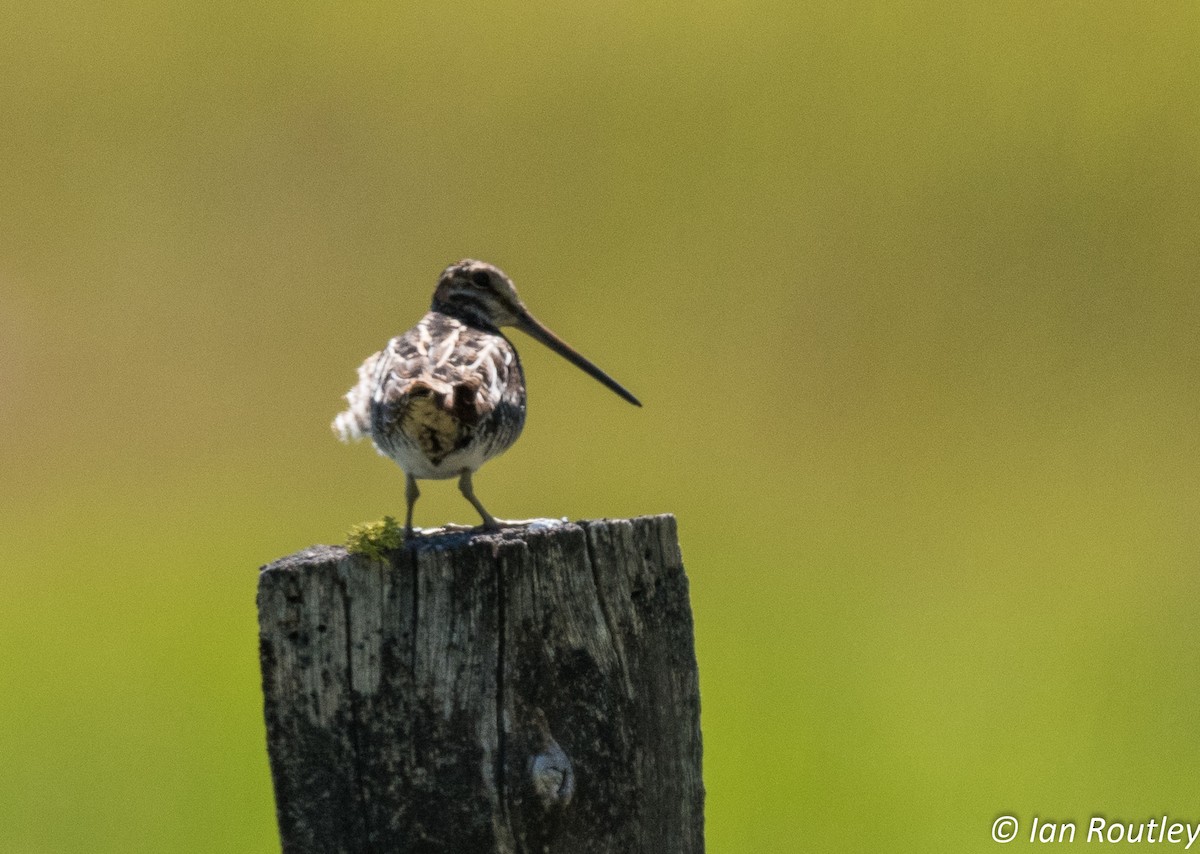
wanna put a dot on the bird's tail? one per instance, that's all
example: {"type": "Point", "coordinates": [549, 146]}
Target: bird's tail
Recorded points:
{"type": "Point", "coordinates": [350, 425]}
{"type": "Point", "coordinates": [355, 422]}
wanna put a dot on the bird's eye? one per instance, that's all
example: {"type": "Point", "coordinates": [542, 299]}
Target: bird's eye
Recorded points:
{"type": "Point", "coordinates": [480, 278]}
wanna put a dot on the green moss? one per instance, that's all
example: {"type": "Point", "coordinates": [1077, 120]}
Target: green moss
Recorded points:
{"type": "Point", "coordinates": [374, 538]}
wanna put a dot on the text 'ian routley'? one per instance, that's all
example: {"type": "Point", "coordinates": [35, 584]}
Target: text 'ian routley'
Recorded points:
{"type": "Point", "coordinates": [1099, 829]}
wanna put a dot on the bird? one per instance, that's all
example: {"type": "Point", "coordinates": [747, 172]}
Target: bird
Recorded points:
{"type": "Point", "coordinates": [449, 394]}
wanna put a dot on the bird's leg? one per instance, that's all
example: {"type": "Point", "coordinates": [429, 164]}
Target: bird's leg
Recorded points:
{"type": "Point", "coordinates": [490, 522]}
{"type": "Point", "coordinates": [464, 486]}
{"type": "Point", "coordinates": [411, 493]}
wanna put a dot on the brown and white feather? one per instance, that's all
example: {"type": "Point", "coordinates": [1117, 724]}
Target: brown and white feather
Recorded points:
{"type": "Point", "coordinates": [443, 397]}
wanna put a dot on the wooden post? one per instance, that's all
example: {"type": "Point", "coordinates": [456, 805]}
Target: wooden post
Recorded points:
{"type": "Point", "coordinates": [522, 691]}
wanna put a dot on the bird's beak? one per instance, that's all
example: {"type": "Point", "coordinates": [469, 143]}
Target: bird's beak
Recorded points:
{"type": "Point", "coordinates": [528, 324]}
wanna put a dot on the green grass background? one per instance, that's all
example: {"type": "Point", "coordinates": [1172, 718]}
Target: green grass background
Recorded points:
{"type": "Point", "coordinates": [909, 291]}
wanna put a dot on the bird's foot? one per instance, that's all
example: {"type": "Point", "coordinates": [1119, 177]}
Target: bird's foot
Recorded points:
{"type": "Point", "coordinates": [537, 524]}
{"type": "Point", "coordinates": [489, 527]}
{"type": "Point", "coordinates": [447, 528]}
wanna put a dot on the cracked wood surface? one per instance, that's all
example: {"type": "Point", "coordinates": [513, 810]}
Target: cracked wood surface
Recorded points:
{"type": "Point", "coordinates": [522, 691]}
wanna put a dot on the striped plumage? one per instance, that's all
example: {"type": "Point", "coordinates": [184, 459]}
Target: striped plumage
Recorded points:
{"type": "Point", "coordinates": [448, 395]}
{"type": "Point", "coordinates": [442, 397]}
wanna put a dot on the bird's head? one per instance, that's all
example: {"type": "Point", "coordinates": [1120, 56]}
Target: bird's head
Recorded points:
{"type": "Point", "coordinates": [480, 294]}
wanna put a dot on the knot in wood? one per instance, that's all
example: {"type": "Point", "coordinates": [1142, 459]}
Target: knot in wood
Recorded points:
{"type": "Point", "coordinates": [552, 775]}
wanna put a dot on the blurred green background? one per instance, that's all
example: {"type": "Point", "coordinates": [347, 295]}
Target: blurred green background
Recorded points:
{"type": "Point", "coordinates": [909, 291]}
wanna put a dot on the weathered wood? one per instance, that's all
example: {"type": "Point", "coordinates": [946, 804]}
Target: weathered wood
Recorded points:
{"type": "Point", "coordinates": [523, 691]}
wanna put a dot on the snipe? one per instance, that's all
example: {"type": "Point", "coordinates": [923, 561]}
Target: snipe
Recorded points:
{"type": "Point", "coordinates": [448, 395]}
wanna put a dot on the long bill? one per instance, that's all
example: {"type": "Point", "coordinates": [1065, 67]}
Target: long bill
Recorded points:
{"type": "Point", "coordinates": [534, 329]}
